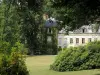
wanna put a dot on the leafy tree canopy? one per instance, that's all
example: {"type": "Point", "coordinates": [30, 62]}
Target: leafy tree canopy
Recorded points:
{"type": "Point", "coordinates": [77, 12]}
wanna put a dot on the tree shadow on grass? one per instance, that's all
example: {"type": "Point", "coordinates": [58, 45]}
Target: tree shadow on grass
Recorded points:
{"type": "Point", "coordinates": [97, 74]}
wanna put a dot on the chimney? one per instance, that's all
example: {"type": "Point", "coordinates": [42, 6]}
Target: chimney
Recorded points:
{"type": "Point", "coordinates": [45, 16]}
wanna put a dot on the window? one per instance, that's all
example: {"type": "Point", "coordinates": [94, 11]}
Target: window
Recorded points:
{"type": "Point", "coordinates": [95, 39]}
{"type": "Point", "coordinates": [49, 39]}
{"type": "Point", "coordinates": [49, 30]}
{"type": "Point", "coordinates": [77, 40]}
{"type": "Point", "coordinates": [65, 40]}
{"type": "Point", "coordinates": [89, 39]}
{"type": "Point", "coordinates": [71, 40]}
{"type": "Point", "coordinates": [83, 30]}
{"type": "Point", "coordinates": [83, 40]}
{"type": "Point", "coordinates": [59, 41]}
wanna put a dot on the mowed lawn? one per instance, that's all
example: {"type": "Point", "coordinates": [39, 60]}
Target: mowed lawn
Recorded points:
{"type": "Point", "coordinates": [39, 65]}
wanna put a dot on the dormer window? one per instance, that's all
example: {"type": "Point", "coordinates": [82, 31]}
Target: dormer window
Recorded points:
{"type": "Point", "coordinates": [50, 21]}
{"type": "Point", "coordinates": [83, 30]}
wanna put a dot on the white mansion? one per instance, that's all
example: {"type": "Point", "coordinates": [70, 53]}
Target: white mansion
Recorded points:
{"type": "Point", "coordinates": [79, 36]}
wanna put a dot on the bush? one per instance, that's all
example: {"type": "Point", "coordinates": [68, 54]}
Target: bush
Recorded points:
{"type": "Point", "coordinates": [59, 48]}
{"type": "Point", "coordinates": [19, 47]}
{"type": "Point", "coordinates": [78, 58]}
{"type": "Point", "coordinates": [12, 61]}
{"type": "Point", "coordinates": [13, 64]}
{"type": "Point", "coordinates": [5, 47]}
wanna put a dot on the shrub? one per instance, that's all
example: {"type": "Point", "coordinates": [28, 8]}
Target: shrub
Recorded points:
{"type": "Point", "coordinates": [5, 47]}
{"type": "Point", "coordinates": [13, 64]}
{"type": "Point", "coordinates": [19, 47]}
{"type": "Point", "coordinates": [59, 48]}
{"type": "Point", "coordinates": [78, 58]}
{"type": "Point", "coordinates": [12, 61]}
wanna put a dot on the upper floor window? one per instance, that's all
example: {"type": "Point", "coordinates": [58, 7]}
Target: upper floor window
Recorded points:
{"type": "Point", "coordinates": [49, 30]}
{"type": "Point", "coordinates": [83, 30]}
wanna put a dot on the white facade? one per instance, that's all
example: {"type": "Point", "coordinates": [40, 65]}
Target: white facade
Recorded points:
{"type": "Point", "coordinates": [78, 37]}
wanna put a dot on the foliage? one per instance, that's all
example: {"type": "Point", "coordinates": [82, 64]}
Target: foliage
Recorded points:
{"type": "Point", "coordinates": [12, 60]}
{"type": "Point", "coordinates": [49, 46]}
{"type": "Point", "coordinates": [54, 41]}
{"type": "Point", "coordinates": [11, 47]}
{"type": "Point", "coordinates": [78, 58]}
{"type": "Point", "coordinates": [75, 13]}
{"type": "Point", "coordinates": [5, 47]}
{"type": "Point", "coordinates": [23, 22]}
{"type": "Point", "coordinates": [10, 34]}
{"type": "Point", "coordinates": [95, 27]}
{"type": "Point", "coordinates": [9, 27]}
{"type": "Point", "coordinates": [59, 48]}
{"type": "Point", "coordinates": [31, 30]}
{"type": "Point", "coordinates": [19, 47]}
{"type": "Point", "coordinates": [13, 64]}
{"type": "Point", "coordinates": [41, 65]}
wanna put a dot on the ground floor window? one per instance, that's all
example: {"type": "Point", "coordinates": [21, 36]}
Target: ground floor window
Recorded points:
{"type": "Point", "coordinates": [89, 39]}
{"type": "Point", "coordinates": [65, 41]}
{"type": "Point", "coordinates": [83, 40]}
{"type": "Point", "coordinates": [77, 40]}
{"type": "Point", "coordinates": [71, 40]}
{"type": "Point", "coordinates": [95, 39]}
{"type": "Point", "coordinates": [59, 41]}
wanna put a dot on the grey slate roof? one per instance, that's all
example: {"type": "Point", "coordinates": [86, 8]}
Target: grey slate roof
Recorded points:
{"type": "Point", "coordinates": [51, 22]}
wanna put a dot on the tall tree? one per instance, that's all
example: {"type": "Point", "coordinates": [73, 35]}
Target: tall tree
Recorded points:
{"type": "Point", "coordinates": [9, 26]}
{"type": "Point", "coordinates": [30, 12]}
{"type": "Point", "coordinates": [74, 13]}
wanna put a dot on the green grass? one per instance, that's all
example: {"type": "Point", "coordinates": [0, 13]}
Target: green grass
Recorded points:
{"type": "Point", "coordinates": [39, 65]}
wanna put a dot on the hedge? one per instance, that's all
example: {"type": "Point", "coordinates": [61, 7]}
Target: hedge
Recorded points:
{"type": "Point", "coordinates": [78, 58]}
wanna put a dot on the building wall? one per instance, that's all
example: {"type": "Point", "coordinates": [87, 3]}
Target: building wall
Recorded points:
{"type": "Point", "coordinates": [64, 40]}
{"type": "Point", "coordinates": [86, 32]}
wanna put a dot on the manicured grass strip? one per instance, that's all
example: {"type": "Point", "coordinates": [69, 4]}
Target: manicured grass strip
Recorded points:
{"type": "Point", "coordinates": [39, 65]}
